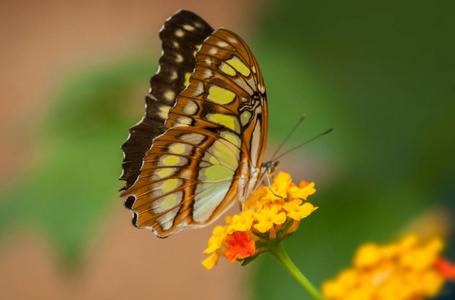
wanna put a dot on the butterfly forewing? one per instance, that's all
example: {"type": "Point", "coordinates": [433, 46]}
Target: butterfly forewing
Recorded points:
{"type": "Point", "coordinates": [211, 150]}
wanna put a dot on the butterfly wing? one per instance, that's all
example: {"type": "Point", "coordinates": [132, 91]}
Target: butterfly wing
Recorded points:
{"type": "Point", "coordinates": [181, 35]}
{"type": "Point", "coordinates": [211, 150]}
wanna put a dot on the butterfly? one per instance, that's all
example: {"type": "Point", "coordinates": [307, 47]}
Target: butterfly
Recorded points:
{"type": "Point", "coordinates": [200, 145]}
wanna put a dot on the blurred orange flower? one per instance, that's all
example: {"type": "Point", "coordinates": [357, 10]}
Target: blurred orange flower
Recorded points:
{"type": "Point", "coordinates": [407, 270]}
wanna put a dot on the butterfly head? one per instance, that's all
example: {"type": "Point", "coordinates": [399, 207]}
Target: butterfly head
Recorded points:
{"type": "Point", "coordinates": [269, 167]}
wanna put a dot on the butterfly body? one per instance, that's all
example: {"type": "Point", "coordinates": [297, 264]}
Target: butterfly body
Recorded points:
{"type": "Point", "coordinates": [200, 146]}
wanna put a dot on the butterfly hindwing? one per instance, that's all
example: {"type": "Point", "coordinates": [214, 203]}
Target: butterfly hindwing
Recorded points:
{"type": "Point", "coordinates": [175, 175]}
{"type": "Point", "coordinates": [181, 35]}
{"type": "Point", "coordinates": [211, 149]}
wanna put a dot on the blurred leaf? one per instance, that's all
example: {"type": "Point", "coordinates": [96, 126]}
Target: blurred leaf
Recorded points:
{"type": "Point", "coordinates": [70, 191]}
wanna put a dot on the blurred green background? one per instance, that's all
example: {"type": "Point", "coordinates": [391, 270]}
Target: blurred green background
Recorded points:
{"type": "Point", "coordinates": [382, 74]}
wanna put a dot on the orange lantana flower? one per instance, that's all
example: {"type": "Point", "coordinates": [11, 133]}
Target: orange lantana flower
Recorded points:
{"type": "Point", "coordinates": [238, 246]}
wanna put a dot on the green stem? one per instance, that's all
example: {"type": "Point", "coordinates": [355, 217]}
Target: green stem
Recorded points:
{"type": "Point", "coordinates": [280, 254]}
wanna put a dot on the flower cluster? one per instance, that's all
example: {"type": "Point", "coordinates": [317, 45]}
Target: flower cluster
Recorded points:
{"type": "Point", "coordinates": [270, 215]}
{"type": "Point", "coordinates": [407, 270]}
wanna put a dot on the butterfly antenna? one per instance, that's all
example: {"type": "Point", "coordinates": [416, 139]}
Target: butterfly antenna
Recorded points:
{"type": "Point", "coordinates": [289, 135]}
{"type": "Point", "coordinates": [304, 143]}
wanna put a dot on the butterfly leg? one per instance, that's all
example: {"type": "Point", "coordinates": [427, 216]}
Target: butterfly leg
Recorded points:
{"type": "Point", "coordinates": [270, 186]}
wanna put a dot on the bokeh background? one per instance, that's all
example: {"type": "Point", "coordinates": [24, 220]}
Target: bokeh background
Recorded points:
{"type": "Point", "coordinates": [73, 79]}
